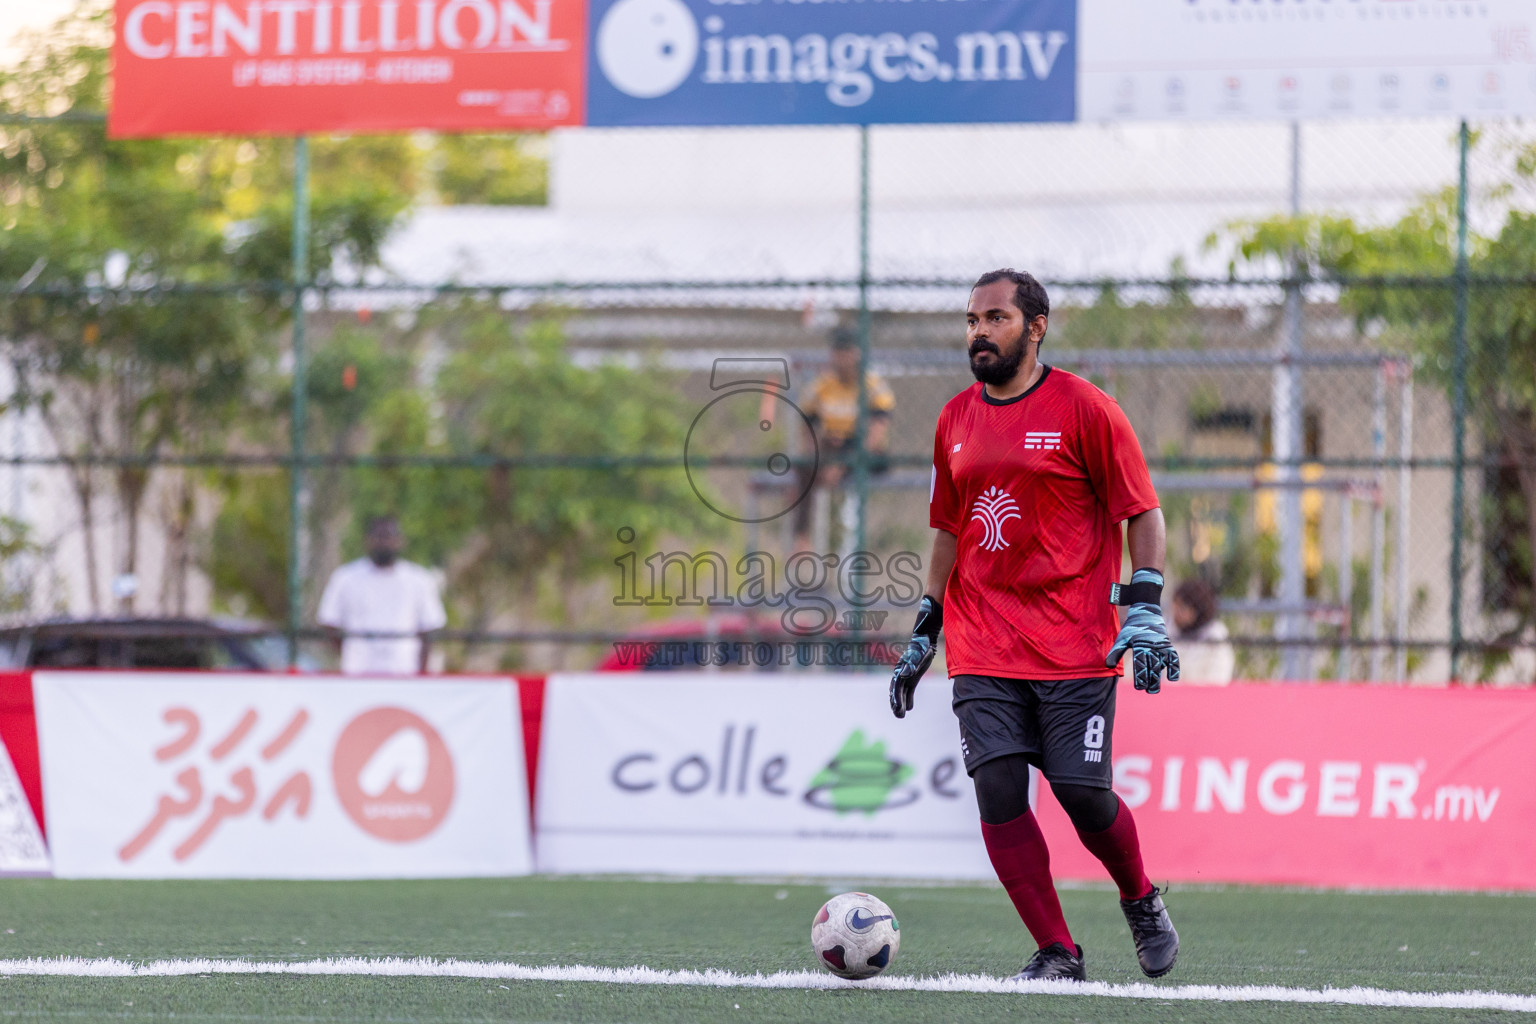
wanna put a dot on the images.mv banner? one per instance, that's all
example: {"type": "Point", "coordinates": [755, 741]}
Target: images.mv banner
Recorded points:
{"type": "Point", "coordinates": [707, 62]}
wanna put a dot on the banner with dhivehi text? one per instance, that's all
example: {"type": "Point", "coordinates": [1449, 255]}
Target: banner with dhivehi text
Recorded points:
{"type": "Point", "coordinates": [192, 775]}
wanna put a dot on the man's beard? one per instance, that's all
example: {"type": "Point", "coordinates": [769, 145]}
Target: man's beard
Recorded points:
{"type": "Point", "coordinates": [382, 558]}
{"type": "Point", "coordinates": [1001, 369]}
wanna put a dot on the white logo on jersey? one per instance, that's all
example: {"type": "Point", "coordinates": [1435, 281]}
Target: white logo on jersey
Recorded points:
{"type": "Point", "coordinates": [955, 448]}
{"type": "Point", "coordinates": [1042, 440]}
{"type": "Point", "coordinates": [994, 508]}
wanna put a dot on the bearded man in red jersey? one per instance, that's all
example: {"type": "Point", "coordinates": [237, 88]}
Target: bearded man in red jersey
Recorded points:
{"type": "Point", "coordinates": [1034, 470]}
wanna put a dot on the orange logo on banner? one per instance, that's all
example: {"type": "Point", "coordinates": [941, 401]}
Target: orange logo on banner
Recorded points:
{"type": "Point", "coordinates": [243, 67]}
{"type": "Point", "coordinates": [393, 774]}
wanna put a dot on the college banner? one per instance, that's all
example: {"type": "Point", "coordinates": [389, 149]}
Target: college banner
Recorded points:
{"type": "Point", "coordinates": [751, 775]}
{"type": "Point", "coordinates": [248, 67]}
{"type": "Point", "coordinates": [1215, 59]}
{"type": "Point", "coordinates": [177, 775]}
{"type": "Point", "coordinates": [707, 62]}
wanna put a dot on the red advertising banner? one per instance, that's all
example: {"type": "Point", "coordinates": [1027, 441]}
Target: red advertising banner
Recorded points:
{"type": "Point", "coordinates": [1323, 785]}
{"type": "Point", "coordinates": [285, 67]}
{"type": "Point", "coordinates": [1339, 786]}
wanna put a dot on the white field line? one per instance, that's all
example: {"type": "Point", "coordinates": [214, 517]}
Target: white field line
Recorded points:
{"type": "Point", "coordinates": [423, 967]}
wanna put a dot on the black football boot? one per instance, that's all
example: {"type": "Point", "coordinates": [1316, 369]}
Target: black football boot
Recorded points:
{"type": "Point", "coordinates": [1054, 963]}
{"type": "Point", "coordinates": [1157, 944]}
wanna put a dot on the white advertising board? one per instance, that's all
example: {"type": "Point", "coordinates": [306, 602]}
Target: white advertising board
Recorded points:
{"type": "Point", "coordinates": [162, 775]}
{"type": "Point", "coordinates": [21, 843]}
{"type": "Point", "coordinates": [752, 775]}
{"type": "Point", "coordinates": [1215, 59]}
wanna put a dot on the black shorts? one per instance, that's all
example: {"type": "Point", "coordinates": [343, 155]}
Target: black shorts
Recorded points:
{"type": "Point", "coordinates": [1062, 726]}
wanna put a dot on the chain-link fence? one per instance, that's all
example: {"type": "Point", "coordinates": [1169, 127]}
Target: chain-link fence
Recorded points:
{"type": "Point", "coordinates": [586, 417]}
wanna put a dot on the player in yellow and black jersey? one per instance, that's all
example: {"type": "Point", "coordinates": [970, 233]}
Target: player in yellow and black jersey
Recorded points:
{"type": "Point", "coordinates": [831, 402]}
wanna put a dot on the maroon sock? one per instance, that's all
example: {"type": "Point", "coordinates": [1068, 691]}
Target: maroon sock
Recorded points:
{"type": "Point", "coordinates": [1023, 865]}
{"type": "Point", "coordinates": [1120, 850]}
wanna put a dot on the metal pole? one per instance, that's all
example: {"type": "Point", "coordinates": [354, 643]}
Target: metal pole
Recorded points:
{"type": "Point", "coordinates": [861, 429]}
{"type": "Point", "coordinates": [1459, 403]}
{"type": "Point", "coordinates": [21, 569]}
{"type": "Point", "coordinates": [1346, 580]}
{"type": "Point", "coordinates": [1379, 518]}
{"type": "Point", "coordinates": [1404, 508]}
{"type": "Point", "coordinates": [298, 490]}
{"type": "Point", "coordinates": [1286, 441]}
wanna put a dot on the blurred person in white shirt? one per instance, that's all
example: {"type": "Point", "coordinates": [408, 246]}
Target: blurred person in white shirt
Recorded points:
{"type": "Point", "coordinates": [383, 608]}
{"type": "Point", "coordinates": [1206, 657]}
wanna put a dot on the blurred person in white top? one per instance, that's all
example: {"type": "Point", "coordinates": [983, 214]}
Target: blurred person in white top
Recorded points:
{"type": "Point", "coordinates": [1206, 656]}
{"type": "Point", "coordinates": [382, 594]}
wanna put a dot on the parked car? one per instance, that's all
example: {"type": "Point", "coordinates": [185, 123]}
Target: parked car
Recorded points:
{"type": "Point", "coordinates": [127, 643]}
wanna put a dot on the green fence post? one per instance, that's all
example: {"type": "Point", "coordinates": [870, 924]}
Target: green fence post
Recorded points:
{"type": "Point", "coordinates": [298, 493]}
{"type": "Point", "coordinates": [861, 429]}
{"type": "Point", "coordinates": [1459, 405]}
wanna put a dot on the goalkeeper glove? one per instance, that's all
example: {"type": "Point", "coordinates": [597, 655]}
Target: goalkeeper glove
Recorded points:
{"type": "Point", "coordinates": [1144, 633]}
{"type": "Point", "coordinates": [918, 656]}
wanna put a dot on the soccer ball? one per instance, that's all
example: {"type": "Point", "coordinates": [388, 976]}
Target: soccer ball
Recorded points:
{"type": "Point", "coordinates": [855, 936]}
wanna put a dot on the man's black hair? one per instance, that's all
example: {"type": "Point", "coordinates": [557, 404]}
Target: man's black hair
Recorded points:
{"type": "Point", "coordinates": [374, 522]}
{"type": "Point", "coordinates": [844, 338]}
{"type": "Point", "coordinates": [1201, 598]}
{"type": "Point", "coordinates": [1028, 293]}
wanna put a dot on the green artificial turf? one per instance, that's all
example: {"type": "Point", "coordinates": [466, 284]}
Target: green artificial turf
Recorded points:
{"type": "Point", "coordinates": [1230, 936]}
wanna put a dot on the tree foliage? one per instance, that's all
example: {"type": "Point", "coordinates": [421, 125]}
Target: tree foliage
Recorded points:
{"type": "Point", "coordinates": [513, 542]}
{"type": "Point", "coordinates": [94, 230]}
{"type": "Point", "coordinates": [113, 335]}
{"type": "Point", "coordinates": [1160, 321]}
{"type": "Point", "coordinates": [1400, 286]}
{"type": "Point", "coordinates": [491, 170]}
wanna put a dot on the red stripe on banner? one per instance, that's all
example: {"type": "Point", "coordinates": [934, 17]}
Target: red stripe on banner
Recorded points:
{"type": "Point", "coordinates": [1377, 787]}
{"type": "Point", "coordinates": [18, 731]}
{"type": "Point", "coordinates": [530, 695]}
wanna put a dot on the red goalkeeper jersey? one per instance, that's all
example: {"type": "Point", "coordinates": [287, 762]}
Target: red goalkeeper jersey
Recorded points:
{"type": "Point", "coordinates": [1034, 489]}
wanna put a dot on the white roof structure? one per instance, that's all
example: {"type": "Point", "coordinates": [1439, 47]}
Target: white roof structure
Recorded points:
{"type": "Point", "coordinates": [1067, 201]}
